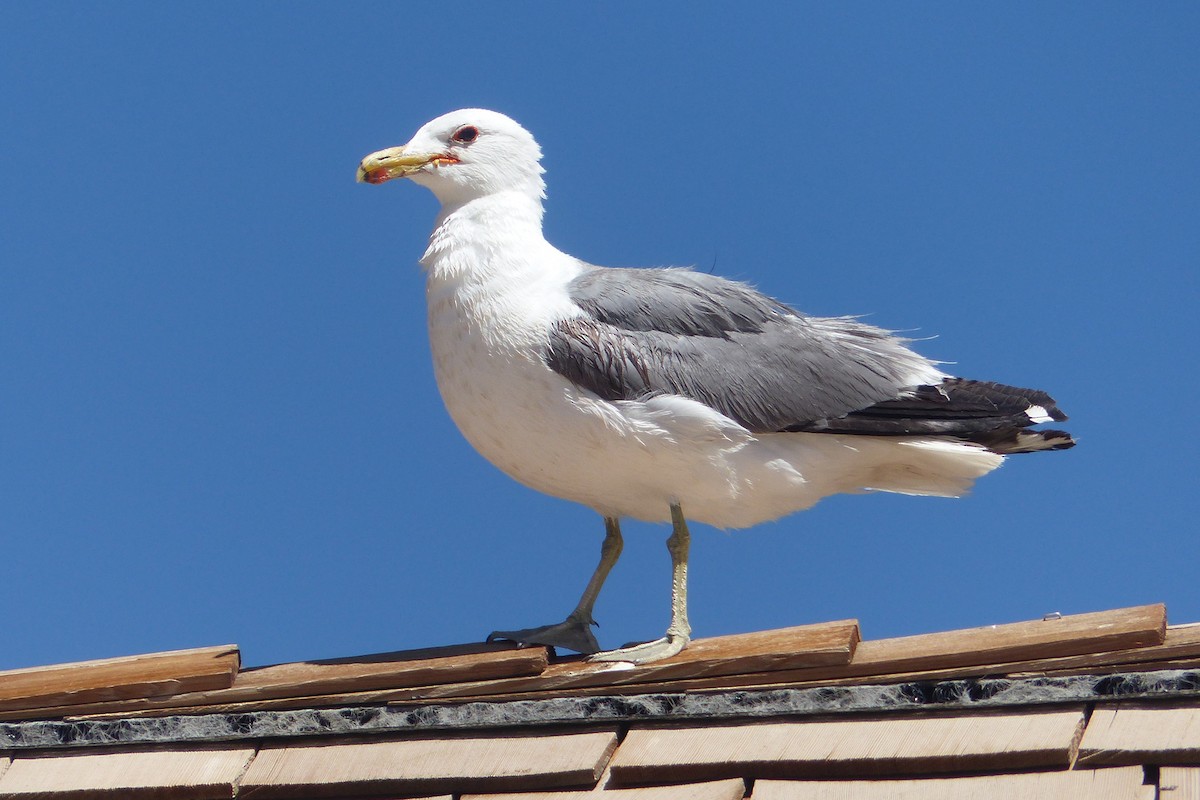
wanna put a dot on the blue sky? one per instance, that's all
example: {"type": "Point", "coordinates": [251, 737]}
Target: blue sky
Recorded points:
{"type": "Point", "coordinates": [218, 420]}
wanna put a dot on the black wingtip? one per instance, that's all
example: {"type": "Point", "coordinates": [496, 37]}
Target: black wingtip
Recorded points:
{"type": "Point", "coordinates": [986, 413]}
{"type": "Point", "coordinates": [1019, 440]}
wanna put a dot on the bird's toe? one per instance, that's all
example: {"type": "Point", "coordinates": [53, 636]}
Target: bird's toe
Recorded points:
{"type": "Point", "coordinates": [571, 633]}
{"type": "Point", "coordinates": [645, 653]}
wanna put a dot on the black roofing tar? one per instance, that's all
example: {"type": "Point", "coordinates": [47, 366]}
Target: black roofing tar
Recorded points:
{"type": "Point", "coordinates": [728, 705]}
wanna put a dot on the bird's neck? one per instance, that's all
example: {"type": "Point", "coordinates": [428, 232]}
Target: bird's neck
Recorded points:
{"type": "Point", "coordinates": [494, 237]}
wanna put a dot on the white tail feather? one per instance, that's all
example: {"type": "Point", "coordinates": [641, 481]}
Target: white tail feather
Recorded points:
{"type": "Point", "coordinates": [932, 467]}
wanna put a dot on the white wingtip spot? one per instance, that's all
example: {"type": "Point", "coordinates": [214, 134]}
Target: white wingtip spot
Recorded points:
{"type": "Point", "coordinates": [1038, 414]}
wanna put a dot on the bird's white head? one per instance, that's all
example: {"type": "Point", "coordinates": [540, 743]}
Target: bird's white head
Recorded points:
{"type": "Point", "coordinates": [462, 156]}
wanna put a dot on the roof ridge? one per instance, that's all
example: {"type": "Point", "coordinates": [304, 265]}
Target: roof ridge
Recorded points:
{"type": "Point", "coordinates": [826, 654]}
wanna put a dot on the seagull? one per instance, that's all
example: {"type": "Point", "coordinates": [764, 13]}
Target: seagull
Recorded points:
{"type": "Point", "coordinates": [665, 394]}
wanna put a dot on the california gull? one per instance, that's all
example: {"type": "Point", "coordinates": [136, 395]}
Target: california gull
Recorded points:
{"type": "Point", "coordinates": [660, 393]}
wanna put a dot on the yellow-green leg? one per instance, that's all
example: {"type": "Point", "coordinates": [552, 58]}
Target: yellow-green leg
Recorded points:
{"type": "Point", "coordinates": [575, 632]}
{"type": "Point", "coordinates": [679, 633]}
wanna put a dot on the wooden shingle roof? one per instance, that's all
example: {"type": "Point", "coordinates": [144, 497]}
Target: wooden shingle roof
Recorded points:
{"type": "Point", "coordinates": [1103, 705]}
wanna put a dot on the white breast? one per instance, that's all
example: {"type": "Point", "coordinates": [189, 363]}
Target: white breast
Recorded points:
{"type": "Point", "coordinates": [488, 328]}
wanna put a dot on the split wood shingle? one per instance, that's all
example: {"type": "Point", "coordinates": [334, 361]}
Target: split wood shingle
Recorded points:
{"type": "Point", "coordinates": [178, 773]}
{"type": "Point", "coordinates": [850, 748]}
{"type": "Point", "coordinates": [1105, 784]}
{"type": "Point", "coordinates": [733, 789]}
{"type": "Point", "coordinates": [416, 766]}
{"type": "Point", "coordinates": [1142, 736]}
{"type": "Point", "coordinates": [1179, 783]}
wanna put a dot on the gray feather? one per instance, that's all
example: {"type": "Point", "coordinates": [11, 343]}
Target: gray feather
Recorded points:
{"type": "Point", "coordinates": [673, 301]}
{"type": "Point", "coordinates": [647, 332]}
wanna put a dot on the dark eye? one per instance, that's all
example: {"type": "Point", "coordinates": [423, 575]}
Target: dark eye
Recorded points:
{"type": "Point", "coordinates": [466, 134]}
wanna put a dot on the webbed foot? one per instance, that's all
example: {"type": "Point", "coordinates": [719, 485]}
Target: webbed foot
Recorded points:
{"type": "Point", "coordinates": [573, 633]}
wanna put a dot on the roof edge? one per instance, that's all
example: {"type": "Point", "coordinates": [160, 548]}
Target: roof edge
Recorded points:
{"type": "Point", "coordinates": [727, 705]}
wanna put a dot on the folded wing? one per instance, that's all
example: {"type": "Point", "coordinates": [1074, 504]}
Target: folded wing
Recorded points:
{"type": "Point", "coordinates": [648, 332]}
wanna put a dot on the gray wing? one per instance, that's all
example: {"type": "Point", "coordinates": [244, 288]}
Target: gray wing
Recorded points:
{"type": "Point", "coordinates": [647, 332]}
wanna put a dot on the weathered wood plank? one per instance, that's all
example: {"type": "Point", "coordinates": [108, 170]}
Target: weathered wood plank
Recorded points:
{"type": "Point", "coordinates": [1077, 634]}
{"type": "Point", "coordinates": [1105, 784]}
{"type": "Point", "coordinates": [193, 773]}
{"type": "Point", "coordinates": [416, 766]}
{"type": "Point", "coordinates": [335, 677]}
{"type": "Point", "coordinates": [849, 748]}
{"type": "Point", "coordinates": [733, 789]}
{"type": "Point", "coordinates": [1130, 735]}
{"type": "Point", "coordinates": [823, 644]}
{"type": "Point", "coordinates": [151, 675]}
{"type": "Point", "coordinates": [413, 668]}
